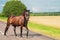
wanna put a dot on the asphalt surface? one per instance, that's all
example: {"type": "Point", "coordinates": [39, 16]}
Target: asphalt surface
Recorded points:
{"type": "Point", "coordinates": [11, 36]}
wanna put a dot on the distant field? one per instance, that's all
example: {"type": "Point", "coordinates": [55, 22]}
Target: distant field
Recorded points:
{"type": "Point", "coordinates": [47, 20]}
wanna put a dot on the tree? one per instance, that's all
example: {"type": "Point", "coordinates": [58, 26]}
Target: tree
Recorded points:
{"type": "Point", "coordinates": [13, 8]}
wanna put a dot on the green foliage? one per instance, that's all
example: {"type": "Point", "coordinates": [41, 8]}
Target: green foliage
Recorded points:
{"type": "Point", "coordinates": [46, 14]}
{"type": "Point", "coordinates": [13, 8]}
{"type": "Point", "coordinates": [1, 15]}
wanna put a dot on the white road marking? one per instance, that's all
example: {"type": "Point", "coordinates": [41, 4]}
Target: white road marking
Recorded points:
{"type": "Point", "coordinates": [1, 32]}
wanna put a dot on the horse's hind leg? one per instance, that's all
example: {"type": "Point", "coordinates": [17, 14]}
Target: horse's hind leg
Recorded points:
{"type": "Point", "coordinates": [6, 29]}
{"type": "Point", "coordinates": [15, 30]}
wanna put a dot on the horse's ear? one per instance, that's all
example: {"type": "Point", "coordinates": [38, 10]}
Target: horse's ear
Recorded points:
{"type": "Point", "coordinates": [28, 10]}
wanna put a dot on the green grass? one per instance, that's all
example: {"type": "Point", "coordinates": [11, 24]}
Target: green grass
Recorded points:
{"type": "Point", "coordinates": [3, 19]}
{"type": "Point", "coordinates": [49, 30]}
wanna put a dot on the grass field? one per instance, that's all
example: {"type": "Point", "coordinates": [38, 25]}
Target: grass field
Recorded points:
{"type": "Point", "coordinates": [40, 28]}
{"type": "Point", "coordinates": [46, 30]}
{"type": "Point", "coordinates": [3, 19]}
{"type": "Point", "coordinates": [53, 21]}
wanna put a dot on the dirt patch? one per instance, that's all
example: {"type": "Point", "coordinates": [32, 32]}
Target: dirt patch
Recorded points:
{"type": "Point", "coordinates": [47, 20]}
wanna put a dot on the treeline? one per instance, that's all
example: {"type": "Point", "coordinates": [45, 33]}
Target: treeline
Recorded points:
{"type": "Point", "coordinates": [46, 14]}
{"type": "Point", "coordinates": [1, 15]}
{"type": "Point", "coordinates": [40, 14]}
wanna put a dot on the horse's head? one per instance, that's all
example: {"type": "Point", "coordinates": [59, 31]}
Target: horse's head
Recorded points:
{"type": "Point", "coordinates": [27, 14]}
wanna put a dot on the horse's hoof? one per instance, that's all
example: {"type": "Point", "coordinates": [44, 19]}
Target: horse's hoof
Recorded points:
{"type": "Point", "coordinates": [15, 35]}
{"type": "Point", "coordinates": [21, 36]}
{"type": "Point", "coordinates": [5, 34]}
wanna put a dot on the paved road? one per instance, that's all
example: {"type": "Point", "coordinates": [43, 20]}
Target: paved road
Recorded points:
{"type": "Point", "coordinates": [11, 36]}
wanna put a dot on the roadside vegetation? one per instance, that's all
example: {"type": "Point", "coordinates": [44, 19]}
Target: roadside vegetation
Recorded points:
{"type": "Point", "coordinates": [4, 19]}
{"type": "Point", "coordinates": [46, 30]}
{"type": "Point", "coordinates": [45, 14]}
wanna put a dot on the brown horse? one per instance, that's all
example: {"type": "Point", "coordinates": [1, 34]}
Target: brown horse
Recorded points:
{"type": "Point", "coordinates": [21, 21]}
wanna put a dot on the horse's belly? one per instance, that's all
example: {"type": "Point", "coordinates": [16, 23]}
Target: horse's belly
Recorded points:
{"type": "Point", "coordinates": [15, 24]}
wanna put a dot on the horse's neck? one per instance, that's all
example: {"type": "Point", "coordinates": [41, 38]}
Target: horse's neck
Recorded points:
{"type": "Point", "coordinates": [24, 16]}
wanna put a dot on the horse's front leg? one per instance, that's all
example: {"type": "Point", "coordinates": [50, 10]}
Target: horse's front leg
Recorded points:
{"type": "Point", "coordinates": [15, 30]}
{"type": "Point", "coordinates": [21, 30]}
{"type": "Point", "coordinates": [27, 31]}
